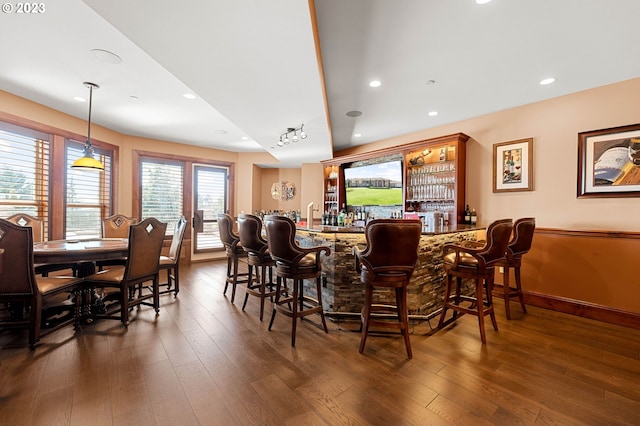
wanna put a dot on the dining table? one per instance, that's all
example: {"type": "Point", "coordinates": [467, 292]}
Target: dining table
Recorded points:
{"type": "Point", "coordinates": [83, 253]}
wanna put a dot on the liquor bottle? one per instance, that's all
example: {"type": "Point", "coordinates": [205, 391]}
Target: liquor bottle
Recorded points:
{"type": "Point", "coordinates": [474, 217]}
{"type": "Point", "coordinates": [467, 215]}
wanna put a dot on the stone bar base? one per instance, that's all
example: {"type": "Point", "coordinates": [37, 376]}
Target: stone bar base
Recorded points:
{"type": "Point", "coordinates": [342, 289]}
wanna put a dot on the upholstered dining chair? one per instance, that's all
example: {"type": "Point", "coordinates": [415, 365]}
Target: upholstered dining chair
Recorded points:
{"type": "Point", "coordinates": [171, 262]}
{"type": "Point", "coordinates": [297, 264]}
{"type": "Point", "coordinates": [142, 266]}
{"type": "Point", "coordinates": [37, 228]}
{"type": "Point", "coordinates": [477, 264]}
{"type": "Point", "coordinates": [250, 233]}
{"type": "Point", "coordinates": [519, 245]}
{"type": "Point", "coordinates": [387, 262]}
{"type": "Point", "coordinates": [50, 301]}
{"type": "Point", "coordinates": [115, 226]}
{"type": "Point", "coordinates": [234, 252]}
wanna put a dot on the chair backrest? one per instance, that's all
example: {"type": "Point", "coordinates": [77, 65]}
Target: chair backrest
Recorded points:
{"type": "Point", "coordinates": [117, 226]}
{"type": "Point", "coordinates": [392, 245]}
{"type": "Point", "coordinates": [250, 233]}
{"type": "Point", "coordinates": [145, 245]}
{"type": "Point", "coordinates": [17, 277]}
{"type": "Point", "coordinates": [281, 238]}
{"type": "Point", "coordinates": [523, 230]}
{"type": "Point", "coordinates": [498, 234]}
{"type": "Point", "coordinates": [36, 224]}
{"type": "Point", "coordinates": [225, 228]}
{"type": "Point", "coordinates": [178, 236]}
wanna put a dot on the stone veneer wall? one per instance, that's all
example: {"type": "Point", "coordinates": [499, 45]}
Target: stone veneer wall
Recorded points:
{"type": "Point", "coordinates": [343, 290]}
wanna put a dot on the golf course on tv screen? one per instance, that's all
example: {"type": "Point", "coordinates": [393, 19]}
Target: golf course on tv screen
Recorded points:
{"type": "Point", "coordinates": [374, 184]}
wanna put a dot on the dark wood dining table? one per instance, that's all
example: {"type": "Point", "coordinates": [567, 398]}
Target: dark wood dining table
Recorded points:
{"type": "Point", "coordinates": [81, 252]}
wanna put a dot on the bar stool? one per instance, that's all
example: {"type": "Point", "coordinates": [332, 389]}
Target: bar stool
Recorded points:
{"type": "Point", "coordinates": [250, 233]}
{"type": "Point", "coordinates": [519, 245]}
{"type": "Point", "coordinates": [477, 264]}
{"type": "Point", "coordinates": [296, 263]}
{"type": "Point", "coordinates": [388, 261]}
{"type": "Point", "coordinates": [234, 252]}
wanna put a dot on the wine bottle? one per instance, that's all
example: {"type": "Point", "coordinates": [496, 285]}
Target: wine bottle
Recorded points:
{"type": "Point", "coordinates": [467, 215]}
{"type": "Point", "coordinates": [474, 217]}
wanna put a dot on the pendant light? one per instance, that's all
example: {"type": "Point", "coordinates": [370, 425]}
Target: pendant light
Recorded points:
{"type": "Point", "coordinates": [88, 161]}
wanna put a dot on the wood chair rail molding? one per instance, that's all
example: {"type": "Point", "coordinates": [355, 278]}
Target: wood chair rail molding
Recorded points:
{"type": "Point", "coordinates": [399, 149]}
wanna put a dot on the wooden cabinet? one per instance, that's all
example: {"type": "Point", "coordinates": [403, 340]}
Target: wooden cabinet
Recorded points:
{"type": "Point", "coordinates": [433, 176]}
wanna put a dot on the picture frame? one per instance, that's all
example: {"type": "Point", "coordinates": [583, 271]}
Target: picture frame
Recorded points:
{"type": "Point", "coordinates": [609, 162]}
{"type": "Point", "coordinates": [513, 166]}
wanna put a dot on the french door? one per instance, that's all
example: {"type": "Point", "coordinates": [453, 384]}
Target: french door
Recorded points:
{"type": "Point", "coordinates": [210, 197]}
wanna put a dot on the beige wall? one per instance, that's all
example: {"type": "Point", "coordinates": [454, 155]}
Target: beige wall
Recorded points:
{"type": "Point", "coordinates": [554, 126]}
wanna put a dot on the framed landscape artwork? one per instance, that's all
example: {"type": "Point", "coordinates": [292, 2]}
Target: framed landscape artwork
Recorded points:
{"type": "Point", "coordinates": [609, 162]}
{"type": "Point", "coordinates": [513, 166]}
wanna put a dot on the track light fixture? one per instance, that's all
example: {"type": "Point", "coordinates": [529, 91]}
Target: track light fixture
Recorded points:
{"type": "Point", "coordinates": [293, 134]}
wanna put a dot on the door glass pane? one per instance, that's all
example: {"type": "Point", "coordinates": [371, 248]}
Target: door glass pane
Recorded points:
{"type": "Point", "coordinates": [211, 199]}
{"type": "Point", "coordinates": [162, 191]}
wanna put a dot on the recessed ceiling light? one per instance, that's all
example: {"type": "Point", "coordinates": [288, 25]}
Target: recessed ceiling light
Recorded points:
{"type": "Point", "coordinates": [133, 98]}
{"type": "Point", "coordinates": [79, 99]}
{"type": "Point", "coordinates": [430, 82]}
{"type": "Point", "coordinates": [375, 83]}
{"type": "Point", "coordinates": [221, 132]}
{"type": "Point", "coordinates": [244, 138]}
{"type": "Point", "coordinates": [357, 135]}
{"type": "Point", "coordinates": [433, 113]}
{"type": "Point", "coordinates": [189, 96]}
{"type": "Point", "coordinates": [354, 113]}
{"type": "Point", "coordinates": [482, 1]}
{"type": "Point", "coordinates": [546, 81]}
{"type": "Point", "coordinates": [106, 56]}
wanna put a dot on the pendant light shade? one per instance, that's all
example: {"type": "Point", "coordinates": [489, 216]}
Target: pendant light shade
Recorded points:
{"type": "Point", "coordinates": [88, 161]}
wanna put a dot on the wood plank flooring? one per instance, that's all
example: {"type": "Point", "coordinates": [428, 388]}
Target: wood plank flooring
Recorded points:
{"type": "Point", "coordinates": [203, 361]}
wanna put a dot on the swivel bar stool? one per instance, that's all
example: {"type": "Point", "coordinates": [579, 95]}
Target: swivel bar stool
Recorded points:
{"type": "Point", "coordinates": [234, 252]}
{"type": "Point", "coordinates": [295, 263]}
{"type": "Point", "coordinates": [250, 233]}
{"type": "Point", "coordinates": [479, 265]}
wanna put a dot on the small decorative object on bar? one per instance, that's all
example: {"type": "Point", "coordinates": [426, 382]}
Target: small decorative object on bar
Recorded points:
{"type": "Point", "coordinates": [419, 159]}
{"type": "Point", "coordinates": [88, 161]}
{"type": "Point", "coordinates": [283, 191]}
{"type": "Point", "coordinates": [293, 134]}
{"type": "Point", "coordinates": [609, 162]}
{"type": "Point", "coordinates": [513, 166]}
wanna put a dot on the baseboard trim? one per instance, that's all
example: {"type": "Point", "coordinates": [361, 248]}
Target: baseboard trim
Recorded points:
{"type": "Point", "coordinates": [583, 309]}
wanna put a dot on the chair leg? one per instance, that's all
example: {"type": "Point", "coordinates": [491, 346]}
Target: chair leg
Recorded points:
{"type": "Point", "coordinates": [506, 292]}
{"type": "Point", "coordinates": [480, 307]}
{"type": "Point", "coordinates": [519, 287]}
{"type": "Point", "coordinates": [234, 283]}
{"type": "Point", "coordinates": [401, 302]}
{"type": "Point", "coordinates": [156, 293]}
{"type": "Point", "coordinates": [294, 316]}
{"type": "Point", "coordinates": [275, 303]}
{"type": "Point", "coordinates": [492, 313]}
{"type": "Point", "coordinates": [319, 292]}
{"type": "Point", "coordinates": [447, 295]}
{"type": "Point", "coordinates": [365, 316]}
{"type": "Point", "coordinates": [226, 284]}
{"type": "Point", "coordinates": [35, 318]}
{"type": "Point", "coordinates": [249, 280]}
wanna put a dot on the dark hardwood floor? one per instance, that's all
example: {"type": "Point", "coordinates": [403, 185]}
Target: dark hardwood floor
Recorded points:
{"type": "Point", "coordinates": [205, 362]}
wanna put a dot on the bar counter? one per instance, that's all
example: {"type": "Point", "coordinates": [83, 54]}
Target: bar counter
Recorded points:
{"type": "Point", "coordinates": [344, 293]}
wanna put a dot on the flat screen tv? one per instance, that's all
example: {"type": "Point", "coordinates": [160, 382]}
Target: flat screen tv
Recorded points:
{"type": "Point", "coordinates": [374, 184]}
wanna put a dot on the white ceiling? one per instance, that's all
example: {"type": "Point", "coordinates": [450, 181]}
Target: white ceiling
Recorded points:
{"type": "Point", "coordinates": [254, 69]}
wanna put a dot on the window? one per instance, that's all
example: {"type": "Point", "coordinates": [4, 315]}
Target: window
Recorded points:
{"type": "Point", "coordinates": [24, 172]}
{"type": "Point", "coordinates": [161, 190]}
{"type": "Point", "coordinates": [88, 194]}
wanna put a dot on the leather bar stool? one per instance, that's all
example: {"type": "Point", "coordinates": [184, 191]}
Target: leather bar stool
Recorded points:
{"type": "Point", "coordinates": [478, 264]}
{"type": "Point", "coordinates": [234, 252]}
{"type": "Point", "coordinates": [519, 245]}
{"type": "Point", "coordinates": [388, 261]}
{"type": "Point", "coordinates": [295, 263]}
{"type": "Point", "coordinates": [258, 256]}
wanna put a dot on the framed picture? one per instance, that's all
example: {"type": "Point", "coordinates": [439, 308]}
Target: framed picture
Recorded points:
{"type": "Point", "coordinates": [609, 162]}
{"type": "Point", "coordinates": [513, 166]}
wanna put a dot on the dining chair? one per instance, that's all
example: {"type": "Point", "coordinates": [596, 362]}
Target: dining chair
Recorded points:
{"type": "Point", "coordinates": [387, 262]}
{"type": "Point", "coordinates": [37, 227]}
{"type": "Point", "coordinates": [519, 245]}
{"type": "Point", "coordinates": [258, 256]}
{"type": "Point", "coordinates": [40, 304]}
{"type": "Point", "coordinates": [171, 262]}
{"type": "Point", "coordinates": [142, 266]}
{"type": "Point", "coordinates": [297, 264]}
{"type": "Point", "coordinates": [115, 226]}
{"type": "Point", "coordinates": [234, 251]}
{"type": "Point", "coordinates": [477, 264]}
